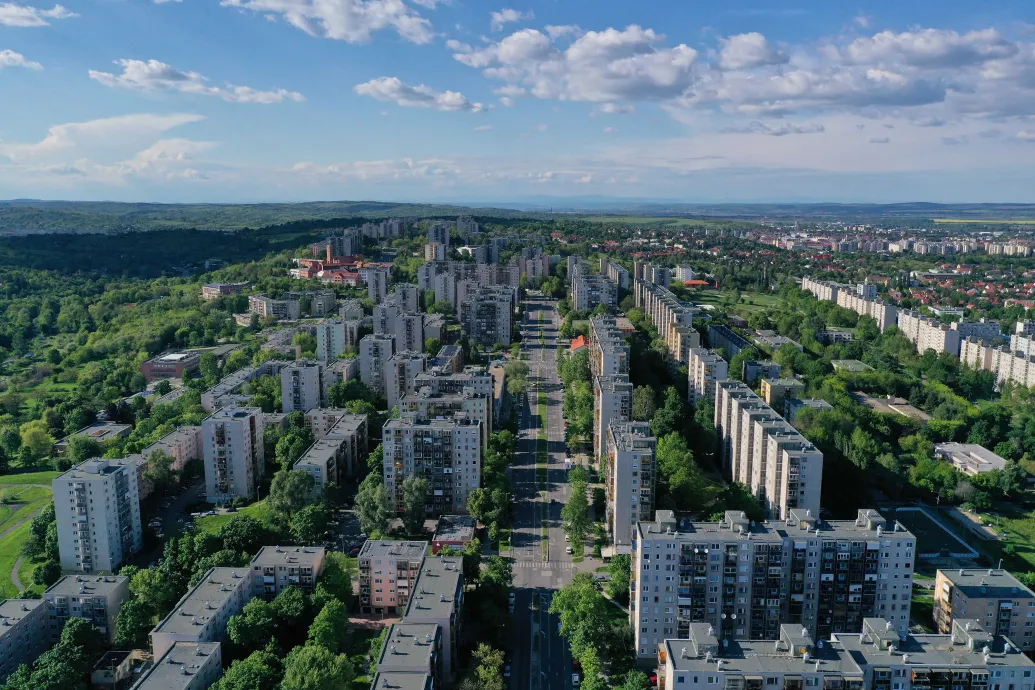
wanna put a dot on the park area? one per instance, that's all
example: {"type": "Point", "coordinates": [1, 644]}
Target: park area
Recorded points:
{"type": "Point", "coordinates": [22, 497]}
{"type": "Point", "coordinates": [933, 539]}
{"type": "Point", "coordinates": [749, 301]}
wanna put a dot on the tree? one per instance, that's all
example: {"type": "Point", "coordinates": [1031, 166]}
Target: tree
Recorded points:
{"type": "Point", "coordinates": [163, 387]}
{"type": "Point", "coordinates": [160, 472]}
{"type": "Point", "coordinates": [82, 634]}
{"type": "Point", "coordinates": [208, 366]}
{"type": "Point", "coordinates": [672, 416]}
{"type": "Point", "coordinates": [36, 438]}
{"type": "Point", "coordinates": [618, 571]}
{"type": "Point", "coordinates": [243, 533]}
{"type": "Point", "coordinates": [330, 626]}
{"type": "Point", "coordinates": [311, 667]}
{"type": "Point", "coordinates": [132, 625]}
{"type": "Point", "coordinates": [415, 497]}
{"type": "Point", "coordinates": [47, 573]}
{"type": "Point", "coordinates": [345, 391]}
{"type": "Point", "coordinates": [374, 506]}
{"type": "Point", "coordinates": [290, 491]}
{"type": "Point", "coordinates": [36, 543]}
{"type": "Point", "coordinates": [575, 515]}
{"type": "Point", "coordinates": [153, 589]}
{"type": "Point", "coordinates": [309, 524]}
{"type": "Point", "coordinates": [260, 670]}
{"type": "Point", "coordinates": [489, 669]}
{"type": "Point", "coordinates": [499, 573]}
{"type": "Point", "coordinates": [680, 478]}
{"type": "Point", "coordinates": [254, 626]}
{"type": "Point", "coordinates": [584, 614]}
{"type": "Point", "coordinates": [336, 579]}
{"type": "Point", "coordinates": [82, 448]}
{"type": "Point", "coordinates": [644, 406]}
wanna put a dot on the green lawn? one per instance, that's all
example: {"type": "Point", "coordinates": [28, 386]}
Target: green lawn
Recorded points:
{"type": "Point", "coordinates": [43, 478]}
{"type": "Point", "coordinates": [24, 494]}
{"type": "Point", "coordinates": [212, 523]}
{"type": "Point", "coordinates": [749, 301]}
{"type": "Point", "coordinates": [10, 552]}
{"type": "Point", "coordinates": [24, 513]}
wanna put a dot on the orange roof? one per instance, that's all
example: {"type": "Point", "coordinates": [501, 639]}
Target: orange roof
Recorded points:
{"type": "Point", "coordinates": [578, 343]}
{"type": "Point", "coordinates": [696, 282]}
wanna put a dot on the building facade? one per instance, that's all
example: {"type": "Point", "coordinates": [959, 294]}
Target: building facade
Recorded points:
{"type": "Point", "coordinates": [445, 452]}
{"type": "Point", "coordinates": [234, 453]}
{"type": "Point", "coordinates": [629, 479]}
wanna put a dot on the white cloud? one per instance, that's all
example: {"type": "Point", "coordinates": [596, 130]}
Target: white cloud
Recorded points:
{"type": "Point", "coordinates": [781, 130]}
{"type": "Point", "coordinates": [610, 130]}
{"type": "Point", "coordinates": [9, 58]}
{"type": "Point", "coordinates": [929, 48]}
{"type": "Point", "coordinates": [613, 109]}
{"type": "Point", "coordinates": [483, 128]}
{"type": "Point", "coordinates": [12, 14]}
{"type": "Point", "coordinates": [458, 46]}
{"type": "Point", "coordinates": [862, 21]}
{"type": "Point", "coordinates": [508, 16]}
{"type": "Point", "coordinates": [353, 21]}
{"type": "Point", "coordinates": [1025, 135]}
{"type": "Point", "coordinates": [747, 51]}
{"type": "Point", "coordinates": [599, 66]}
{"type": "Point", "coordinates": [153, 75]}
{"type": "Point", "coordinates": [104, 133]}
{"type": "Point", "coordinates": [421, 96]}
{"type": "Point", "coordinates": [558, 31]}
{"type": "Point", "coordinates": [506, 101]}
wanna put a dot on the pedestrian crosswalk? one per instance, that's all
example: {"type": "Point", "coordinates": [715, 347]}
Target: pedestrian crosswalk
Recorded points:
{"type": "Point", "coordinates": [539, 565]}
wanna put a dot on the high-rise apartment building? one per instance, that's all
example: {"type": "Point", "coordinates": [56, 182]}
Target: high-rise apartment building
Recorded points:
{"type": "Point", "coordinates": [302, 386]}
{"type": "Point", "coordinates": [705, 369]}
{"type": "Point", "coordinates": [374, 353]}
{"type": "Point", "coordinates": [993, 597]}
{"type": "Point", "coordinates": [423, 404]}
{"type": "Point", "coordinates": [97, 509]}
{"type": "Point", "coordinates": [335, 454]}
{"type": "Point", "coordinates": [333, 336]}
{"type": "Point", "coordinates": [612, 402]}
{"type": "Point", "coordinates": [377, 284]}
{"type": "Point", "coordinates": [608, 350]}
{"type": "Point", "coordinates": [409, 332]}
{"type": "Point", "coordinates": [590, 290]}
{"type": "Point", "coordinates": [927, 333]}
{"type": "Point", "coordinates": [485, 315]}
{"type": "Point", "coordinates": [401, 373]}
{"type": "Point", "coordinates": [384, 317]}
{"type": "Point", "coordinates": [746, 579]}
{"type": "Point", "coordinates": [387, 573]}
{"type": "Point", "coordinates": [629, 477]}
{"type": "Point", "coordinates": [234, 455]}
{"type": "Point", "coordinates": [445, 452]}
{"type": "Point", "coordinates": [407, 296]}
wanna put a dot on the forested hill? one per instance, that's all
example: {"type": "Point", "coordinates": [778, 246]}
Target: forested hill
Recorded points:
{"type": "Point", "coordinates": [32, 217]}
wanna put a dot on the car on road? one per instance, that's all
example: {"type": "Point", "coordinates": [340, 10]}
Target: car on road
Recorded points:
{"type": "Point", "coordinates": [575, 680]}
{"type": "Point", "coordinates": [567, 549]}
{"type": "Point", "coordinates": [506, 671]}
{"type": "Point", "coordinates": [567, 538]}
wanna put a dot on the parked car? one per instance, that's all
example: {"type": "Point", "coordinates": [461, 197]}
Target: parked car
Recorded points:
{"type": "Point", "coordinates": [575, 680]}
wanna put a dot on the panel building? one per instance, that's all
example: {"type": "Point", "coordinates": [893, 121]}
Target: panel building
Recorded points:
{"type": "Point", "coordinates": [202, 613]}
{"type": "Point", "coordinates": [705, 369]}
{"type": "Point", "coordinates": [485, 315]}
{"type": "Point", "coordinates": [234, 454]}
{"type": "Point", "coordinates": [23, 633]}
{"type": "Point", "coordinates": [374, 353]}
{"type": "Point", "coordinates": [746, 579]}
{"type": "Point", "coordinates": [387, 573]}
{"type": "Point", "coordinates": [612, 402]}
{"type": "Point", "coordinates": [333, 336]}
{"type": "Point", "coordinates": [993, 598]}
{"type": "Point", "coordinates": [302, 386]}
{"type": "Point", "coordinates": [336, 453]}
{"type": "Point", "coordinates": [91, 597]}
{"type": "Point", "coordinates": [608, 350]}
{"type": "Point", "coordinates": [445, 452]}
{"type": "Point", "coordinates": [629, 477]}
{"type": "Point", "coordinates": [275, 568]}
{"type": "Point", "coordinates": [401, 375]}
{"type": "Point", "coordinates": [97, 509]}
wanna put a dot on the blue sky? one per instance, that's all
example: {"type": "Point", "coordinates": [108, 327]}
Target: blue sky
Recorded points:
{"type": "Point", "coordinates": [283, 100]}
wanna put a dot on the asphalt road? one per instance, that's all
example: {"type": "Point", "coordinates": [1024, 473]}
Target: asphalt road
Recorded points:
{"type": "Point", "coordinates": [536, 576]}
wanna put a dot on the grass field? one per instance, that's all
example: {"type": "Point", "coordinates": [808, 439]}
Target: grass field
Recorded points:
{"type": "Point", "coordinates": [657, 220]}
{"type": "Point", "coordinates": [212, 523]}
{"type": "Point", "coordinates": [10, 552]}
{"type": "Point", "coordinates": [24, 494]}
{"type": "Point", "coordinates": [43, 478]}
{"type": "Point", "coordinates": [1023, 221]}
{"type": "Point", "coordinates": [749, 302]}
{"type": "Point", "coordinates": [24, 513]}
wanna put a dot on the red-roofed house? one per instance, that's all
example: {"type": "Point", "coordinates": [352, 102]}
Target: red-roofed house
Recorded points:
{"type": "Point", "coordinates": [579, 344]}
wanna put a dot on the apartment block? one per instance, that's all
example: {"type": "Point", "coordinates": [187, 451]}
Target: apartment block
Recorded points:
{"type": "Point", "coordinates": [234, 454]}
{"type": "Point", "coordinates": [612, 402]}
{"type": "Point", "coordinates": [445, 452]}
{"type": "Point", "coordinates": [776, 391]}
{"type": "Point", "coordinates": [351, 310]}
{"type": "Point", "coordinates": [467, 404]}
{"type": "Point", "coordinates": [409, 332]}
{"type": "Point", "coordinates": [387, 573]}
{"type": "Point", "coordinates": [617, 274]}
{"type": "Point", "coordinates": [334, 336]}
{"type": "Point", "coordinates": [608, 350]}
{"type": "Point", "coordinates": [302, 386]}
{"type": "Point", "coordinates": [374, 353]}
{"type": "Point", "coordinates": [629, 477]}
{"type": "Point", "coordinates": [282, 309]}
{"type": "Point", "coordinates": [377, 284]}
{"type": "Point", "coordinates": [384, 317]}
{"type": "Point", "coordinates": [993, 598]}
{"type": "Point", "coordinates": [97, 508]}
{"type": "Point", "coordinates": [338, 371]}
{"type": "Point", "coordinates": [182, 445]}
{"type": "Point", "coordinates": [746, 579]}
{"type": "Point", "coordinates": [824, 290]}
{"type": "Point", "coordinates": [726, 339]}
{"type": "Point", "coordinates": [485, 315]}
{"type": "Point", "coordinates": [590, 290]}
{"type": "Point", "coordinates": [438, 599]}
{"type": "Point", "coordinates": [681, 340]}
{"type": "Point", "coordinates": [705, 368]}
{"type": "Point", "coordinates": [23, 633]}
{"type": "Point", "coordinates": [862, 299]}
{"type": "Point", "coordinates": [411, 657]}
{"type": "Point", "coordinates": [661, 307]}
{"type": "Point", "coordinates": [217, 290]}
{"type": "Point", "coordinates": [928, 334]}
{"type": "Point", "coordinates": [876, 658]}
{"type": "Point", "coordinates": [401, 374]}
{"type": "Point", "coordinates": [202, 613]}
{"type": "Point", "coordinates": [336, 453]}
{"type": "Point", "coordinates": [95, 598]}
{"type": "Point", "coordinates": [986, 329]}
{"type": "Point", "coordinates": [227, 392]}
{"type": "Point", "coordinates": [444, 380]}
{"type": "Point", "coordinates": [184, 666]}
{"type": "Point", "coordinates": [275, 568]}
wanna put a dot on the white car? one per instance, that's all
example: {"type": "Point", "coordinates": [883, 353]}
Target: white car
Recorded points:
{"type": "Point", "coordinates": [567, 549]}
{"type": "Point", "coordinates": [575, 680]}
{"type": "Point", "coordinates": [567, 538]}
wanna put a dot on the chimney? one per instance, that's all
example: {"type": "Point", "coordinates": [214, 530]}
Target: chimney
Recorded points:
{"type": "Point", "coordinates": [330, 253]}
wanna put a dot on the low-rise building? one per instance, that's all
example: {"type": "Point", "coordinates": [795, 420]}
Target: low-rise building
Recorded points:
{"type": "Point", "coordinates": [970, 458]}
{"type": "Point", "coordinates": [754, 370]}
{"type": "Point", "coordinates": [792, 406]}
{"type": "Point", "coordinates": [202, 613]}
{"type": "Point", "coordinates": [217, 290]}
{"type": "Point", "coordinates": [170, 365]}
{"type": "Point", "coordinates": [994, 598]}
{"type": "Point", "coordinates": [776, 391]}
{"type": "Point", "coordinates": [185, 666]}
{"type": "Point", "coordinates": [24, 634]}
{"type": "Point", "coordinates": [438, 598]}
{"type": "Point", "coordinates": [102, 432]}
{"type": "Point", "coordinates": [276, 568]}
{"type": "Point", "coordinates": [96, 598]}
{"type": "Point", "coordinates": [387, 573]}
{"type": "Point", "coordinates": [413, 650]}
{"type": "Point", "coordinates": [454, 531]}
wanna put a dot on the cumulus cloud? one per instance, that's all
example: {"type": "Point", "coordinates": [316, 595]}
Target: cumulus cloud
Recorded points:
{"type": "Point", "coordinates": [757, 127]}
{"type": "Point", "coordinates": [152, 75]}
{"type": "Point", "coordinates": [559, 31]}
{"type": "Point", "coordinates": [599, 66]}
{"type": "Point", "coordinates": [421, 96]}
{"type": "Point", "coordinates": [929, 48]}
{"type": "Point", "coordinates": [614, 109]}
{"type": "Point", "coordinates": [9, 58]}
{"type": "Point", "coordinates": [1025, 135]}
{"type": "Point", "coordinates": [508, 16]}
{"type": "Point", "coordinates": [747, 51]}
{"type": "Point", "coordinates": [13, 14]}
{"type": "Point", "coordinates": [353, 21]}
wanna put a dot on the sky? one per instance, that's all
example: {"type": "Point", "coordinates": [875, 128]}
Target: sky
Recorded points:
{"type": "Point", "coordinates": [474, 101]}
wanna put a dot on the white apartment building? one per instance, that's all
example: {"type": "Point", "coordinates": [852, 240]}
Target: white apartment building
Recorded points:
{"type": "Point", "coordinates": [928, 334]}
{"type": "Point", "coordinates": [336, 453]}
{"type": "Point", "coordinates": [92, 597]}
{"type": "Point", "coordinates": [423, 404]}
{"type": "Point", "coordinates": [384, 317]}
{"type": "Point", "coordinates": [746, 579]}
{"type": "Point", "coordinates": [302, 386]}
{"type": "Point", "coordinates": [202, 613]}
{"type": "Point", "coordinates": [407, 296]}
{"type": "Point", "coordinates": [23, 633]}
{"type": "Point", "coordinates": [629, 472]}
{"type": "Point", "coordinates": [590, 290]}
{"type": "Point", "coordinates": [1008, 365]}
{"type": "Point", "coordinates": [608, 350]}
{"type": "Point", "coordinates": [663, 308]}
{"type": "Point", "coordinates": [351, 310]}
{"type": "Point", "coordinates": [445, 452]}
{"type": "Point", "coordinates": [337, 371]}
{"type": "Point", "coordinates": [401, 373]}
{"type": "Point", "coordinates": [985, 329]}
{"type": "Point", "coordinates": [477, 378]}
{"type": "Point", "coordinates": [275, 568]}
{"type": "Point", "coordinates": [97, 507]}
{"type": "Point", "coordinates": [374, 353]}
{"type": "Point", "coordinates": [387, 572]}
{"type": "Point", "coordinates": [705, 369]}
{"type": "Point", "coordinates": [409, 332]}
{"type": "Point", "coordinates": [182, 445]}
{"type": "Point", "coordinates": [377, 284]}
{"type": "Point", "coordinates": [684, 273]}
{"type": "Point", "coordinates": [681, 339]}
{"type": "Point", "coordinates": [284, 309]}
{"type": "Point", "coordinates": [185, 666]}
{"type": "Point", "coordinates": [612, 402]}
{"type": "Point", "coordinates": [333, 336]}
{"type": "Point", "coordinates": [761, 450]}
{"type": "Point", "coordinates": [485, 315]}
{"type": "Point", "coordinates": [861, 298]}
{"type": "Point", "coordinates": [234, 454]}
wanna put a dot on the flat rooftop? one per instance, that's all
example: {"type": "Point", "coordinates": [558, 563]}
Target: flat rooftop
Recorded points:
{"type": "Point", "coordinates": [203, 600]}
{"type": "Point", "coordinates": [932, 650]}
{"type": "Point", "coordinates": [95, 468]}
{"type": "Point", "coordinates": [288, 555]}
{"type": "Point", "coordinates": [13, 610]}
{"type": "Point", "coordinates": [455, 528]}
{"type": "Point", "coordinates": [434, 593]}
{"type": "Point", "coordinates": [409, 646]}
{"type": "Point", "coordinates": [177, 667]}
{"type": "Point", "coordinates": [987, 583]}
{"type": "Point", "coordinates": [758, 658]}
{"type": "Point", "coordinates": [102, 431]}
{"type": "Point", "coordinates": [402, 681]}
{"type": "Point", "coordinates": [891, 405]}
{"type": "Point", "coordinates": [85, 585]}
{"type": "Point", "coordinates": [853, 365]}
{"type": "Point", "coordinates": [173, 357]}
{"type": "Point", "coordinates": [798, 525]}
{"type": "Point", "coordinates": [974, 456]}
{"type": "Point", "coordinates": [382, 548]}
